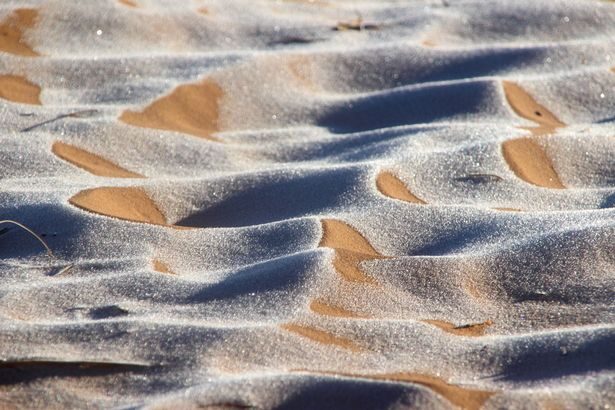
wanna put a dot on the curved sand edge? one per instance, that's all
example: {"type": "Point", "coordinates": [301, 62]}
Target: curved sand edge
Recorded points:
{"type": "Point", "coordinates": [351, 248]}
{"type": "Point", "coordinates": [391, 186]}
{"type": "Point", "coordinates": [127, 203]}
{"type": "Point", "coordinates": [92, 163]}
{"type": "Point", "coordinates": [462, 397]}
{"type": "Point", "coordinates": [473, 330]}
{"type": "Point", "coordinates": [190, 109]}
{"type": "Point", "coordinates": [19, 89]}
{"type": "Point", "coordinates": [524, 105]}
{"type": "Point", "coordinates": [529, 162]}
{"type": "Point", "coordinates": [12, 30]}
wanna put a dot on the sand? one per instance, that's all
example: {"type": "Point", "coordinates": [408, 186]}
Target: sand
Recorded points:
{"type": "Point", "coordinates": [18, 89]}
{"type": "Point", "coordinates": [190, 109]}
{"type": "Point", "coordinates": [528, 160]}
{"type": "Point", "coordinates": [90, 162]}
{"type": "Point", "coordinates": [307, 204]}
{"type": "Point", "coordinates": [131, 204]}
{"type": "Point", "coordinates": [12, 32]}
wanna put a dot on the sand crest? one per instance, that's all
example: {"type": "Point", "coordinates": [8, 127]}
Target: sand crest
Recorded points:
{"type": "Point", "coordinates": [528, 160]}
{"type": "Point", "coordinates": [190, 109]}
{"type": "Point", "coordinates": [351, 248]}
{"type": "Point", "coordinates": [326, 309]}
{"type": "Point", "coordinates": [19, 89]}
{"type": "Point", "coordinates": [391, 186]}
{"type": "Point", "coordinates": [12, 30]}
{"type": "Point", "coordinates": [321, 336]}
{"type": "Point", "coordinates": [524, 105]}
{"type": "Point", "coordinates": [474, 329]}
{"type": "Point", "coordinates": [92, 163]}
{"type": "Point", "coordinates": [131, 204]}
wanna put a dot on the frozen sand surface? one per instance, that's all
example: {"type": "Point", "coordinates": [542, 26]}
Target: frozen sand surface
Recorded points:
{"type": "Point", "coordinates": [308, 204]}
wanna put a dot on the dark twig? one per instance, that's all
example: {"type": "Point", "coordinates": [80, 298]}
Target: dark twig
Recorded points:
{"type": "Point", "coordinates": [76, 114]}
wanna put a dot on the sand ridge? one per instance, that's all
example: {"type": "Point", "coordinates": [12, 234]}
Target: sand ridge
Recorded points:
{"type": "Point", "coordinates": [12, 31]}
{"type": "Point", "coordinates": [128, 203]}
{"type": "Point", "coordinates": [391, 186]}
{"type": "Point", "coordinates": [128, 3]}
{"type": "Point", "coordinates": [529, 162]}
{"type": "Point", "coordinates": [90, 162]}
{"type": "Point", "coordinates": [19, 89]}
{"type": "Point", "coordinates": [190, 108]}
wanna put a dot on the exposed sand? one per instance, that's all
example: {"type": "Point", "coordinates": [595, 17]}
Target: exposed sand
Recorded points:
{"type": "Point", "coordinates": [528, 160]}
{"type": "Point", "coordinates": [391, 186]}
{"type": "Point", "coordinates": [411, 202]}
{"type": "Point", "coordinates": [92, 163]}
{"type": "Point", "coordinates": [131, 204]}
{"type": "Point", "coordinates": [323, 308]}
{"type": "Point", "coordinates": [190, 108]}
{"type": "Point", "coordinates": [12, 30]}
{"type": "Point", "coordinates": [526, 106]}
{"type": "Point", "coordinates": [351, 249]}
{"type": "Point", "coordinates": [321, 336]}
{"type": "Point", "coordinates": [18, 89]}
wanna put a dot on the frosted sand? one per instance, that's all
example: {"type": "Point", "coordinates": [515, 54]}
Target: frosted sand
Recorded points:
{"type": "Point", "coordinates": [307, 204]}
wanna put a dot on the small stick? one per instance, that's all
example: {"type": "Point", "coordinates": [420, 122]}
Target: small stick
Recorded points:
{"type": "Point", "coordinates": [75, 114]}
{"type": "Point", "coordinates": [8, 221]}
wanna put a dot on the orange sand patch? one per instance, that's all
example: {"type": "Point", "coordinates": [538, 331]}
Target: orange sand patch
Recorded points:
{"type": "Point", "coordinates": [12, 30]}
{"type": "Point", "coordinates": [93, 163]}
{"type": "Point", "coordinates": [474, 330]}
{"type": "Point", "coordinates": [160, 266]}
{"type": "Point", "coordinates": [19, 89]}
{"type": "Point", "coordinates": [190, 108]}
{"type": "Point", "coordinates": [351, 248]}
{"type": "Point", "coordinates": [528, 160]}
{"type": "Point", "coordinates": [524, 105]}
{"type": "Point", "coordinates": [389, 185]}
{"type": "Point", "coordinates": [203, 10]}
{"type": "Point", "coordinates": [464, 398]}
{"type": "Point", "coordinates": [321, 336]}
{"type": "Point", "coordinates": [129, 3]}
{"type": "Point", "coordinates": [326, 309]}
{"type": "Point", "coordinates": [128, 203]}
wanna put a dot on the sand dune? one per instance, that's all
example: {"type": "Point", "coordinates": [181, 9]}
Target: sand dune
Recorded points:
{"type": "Point", "coordinates": [191, 109]}
{"type": "Point", "coordinates": [131, 204]}
{"type": "Point", "coordinates": [12, 30]}
{"type": "Point", "coordinates": [19, 89]}
{"type": "Point", "coordinates": [528, 160]}
{"type": "Point", "coordinates": [92, 163]}
{"type": "Point", "coordinates": [233, 190]}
